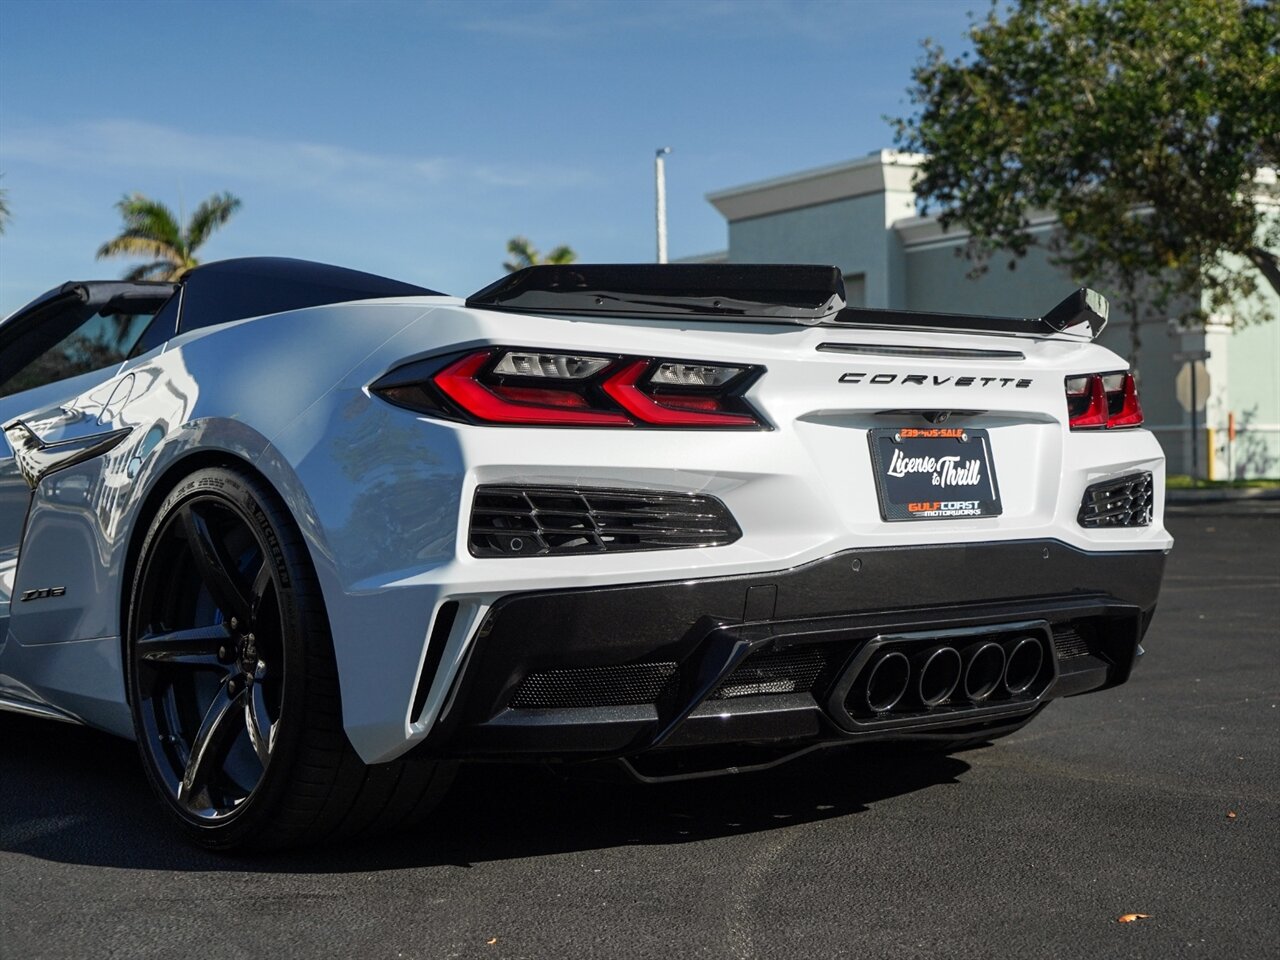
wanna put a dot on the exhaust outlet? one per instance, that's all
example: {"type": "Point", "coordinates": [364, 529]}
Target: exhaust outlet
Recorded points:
{"type": "Point", "coordinates": [983, 671]}
{"type": "Point", "coordinates": [1023, 666]}
{"type": "Point", "coordinates": [887, 682]}
{"type": "Point", "coordinates": [940, 670]}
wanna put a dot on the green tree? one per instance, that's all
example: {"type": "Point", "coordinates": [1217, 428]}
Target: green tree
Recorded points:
{"type": "Point", "coordinates": [1140, 124]}
{"type": "Point", "coordinates": [151, 230]}
{"type": "Point", "coordinates": [525, 254]}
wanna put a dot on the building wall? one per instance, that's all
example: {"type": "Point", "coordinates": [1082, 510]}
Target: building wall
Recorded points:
{"type": "Point", "coordinates": [859, 218]}
{"type": "Point", "coordinates": [1251, 391]}
{"type": "Point", "coordinates": [938, 280]}
{"type": "Point", "coordinates": [849, 234]}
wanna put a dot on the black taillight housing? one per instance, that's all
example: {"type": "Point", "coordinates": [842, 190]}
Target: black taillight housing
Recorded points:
{"type": "Point", "coordinates": [1103, 401]}
{"type": "Point", "coordinates": [507, 386]}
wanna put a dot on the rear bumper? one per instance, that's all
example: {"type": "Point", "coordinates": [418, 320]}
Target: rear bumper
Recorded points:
{"type": "Point", "coordinates": [776, 659]}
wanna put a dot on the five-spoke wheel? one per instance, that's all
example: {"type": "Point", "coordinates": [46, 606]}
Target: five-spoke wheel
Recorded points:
{"type": "Point", "coordinates": [208, 654]}
{"type": "Point", "coordinates": [233, 680]}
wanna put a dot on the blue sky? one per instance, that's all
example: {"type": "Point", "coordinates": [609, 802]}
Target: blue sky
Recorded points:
{"type": "Point", "coordinates": [413, 138]}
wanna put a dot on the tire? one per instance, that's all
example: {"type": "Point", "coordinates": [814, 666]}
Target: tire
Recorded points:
{"type": "Point", "coordinates": [233, 685]}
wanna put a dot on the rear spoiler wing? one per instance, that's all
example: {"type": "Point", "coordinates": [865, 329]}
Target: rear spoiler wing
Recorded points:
{"type": "Point", "coordinates": [801, 294]}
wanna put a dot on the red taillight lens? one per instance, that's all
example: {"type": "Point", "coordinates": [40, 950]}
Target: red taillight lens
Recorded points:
{"type": "Point", "coordinates": [1099, 400]}
{"type": "Point", "coordinates": [663, 411]}
{"type": "Point", "coordinates": [1123, 407]}
{"type": "Point", "coordinates": [459, 383]}
{"type": "Point", "coordinates": [1086, 402]}
{"type": "Point", "coordinates": [539, 388]}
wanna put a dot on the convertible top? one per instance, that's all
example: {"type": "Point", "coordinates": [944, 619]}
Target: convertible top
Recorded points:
{"type": "Point", "coordinates": [220, 292]}
{"type": "Point", "coordinates": [95, 296]}
{"type": "Point", "coordinates": [228, 290]}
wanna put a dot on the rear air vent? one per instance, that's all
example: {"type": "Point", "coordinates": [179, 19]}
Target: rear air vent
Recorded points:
{"type": "Point", "coordinates": [509, 521]}
{"type": "Point", "coordinates": [1126, 502]}
{"type": "Point", "coordinates": [440, 631]}
{"type": "Point", "coordinates": [789, 671]}
{"type": "Point", "coordinates": [636, 683]}
{"type": "Point", "coordinates": [1068, 643]}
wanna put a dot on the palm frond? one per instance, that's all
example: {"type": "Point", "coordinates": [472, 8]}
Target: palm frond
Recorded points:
{"type": "Point", "coordinates": [523, 253]}
{"type": "Point", "coordinates": [131, 243]}
{"type": "Point", "coordinates": [208, 217]}
{"type": "Point", "coordinates": [156, 270]}
{"type": "Point", "coordinates": [150, 218]}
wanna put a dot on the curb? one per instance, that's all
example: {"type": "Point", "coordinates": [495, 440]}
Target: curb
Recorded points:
{"type": "Point", "coordinates": [1221, 495]}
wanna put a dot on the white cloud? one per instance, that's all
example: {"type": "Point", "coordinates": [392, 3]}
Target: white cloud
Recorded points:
{"type": "Point", "coordinates": [824, 23]}
{"type": "Point", "coordinates": [340, 173]}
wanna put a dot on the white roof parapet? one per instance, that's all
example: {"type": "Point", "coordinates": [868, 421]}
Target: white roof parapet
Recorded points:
{"type": "Point", "coordinates": [878, 172]}
{"type": "Point", "coordinates": [927, 230]}
{"type": "Point", "coordinates": [714, 256]}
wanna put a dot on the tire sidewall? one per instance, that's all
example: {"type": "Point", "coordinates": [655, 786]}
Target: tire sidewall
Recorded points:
{"type": "Point", "coordinates": [258, 509]}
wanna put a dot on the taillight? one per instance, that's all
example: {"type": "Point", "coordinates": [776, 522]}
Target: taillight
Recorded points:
{"type": "Point", "coordinates": [1103, 400]}
{"type": "Point", "coordinates": [680, 409]}
{"type": "Point", "coordinates": [496, 402]}
{"type": "Point", "coordinates": [538, 388]}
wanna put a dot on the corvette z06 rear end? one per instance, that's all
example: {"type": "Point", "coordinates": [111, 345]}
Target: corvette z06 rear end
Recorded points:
{"type": "Point", "coordinates": [314, 537]}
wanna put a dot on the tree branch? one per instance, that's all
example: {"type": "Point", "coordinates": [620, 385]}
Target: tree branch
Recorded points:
{"type": "Point", "coordinates": [1268, 265]}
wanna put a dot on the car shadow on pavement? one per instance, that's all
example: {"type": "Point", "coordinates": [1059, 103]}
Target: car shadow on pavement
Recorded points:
{"type": "Point", "coordinates": [73, 795]}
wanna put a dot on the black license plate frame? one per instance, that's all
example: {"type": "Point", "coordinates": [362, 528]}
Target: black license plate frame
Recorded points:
{"type": "Point", "coordinates": [934, 473]}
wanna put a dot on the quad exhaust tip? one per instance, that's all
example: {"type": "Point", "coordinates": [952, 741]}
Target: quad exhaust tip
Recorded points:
{"type": "Point", "coordinates": [928, 679]}
{"type": "Point", "coordinates": [887, 682]}
{"type": "Point", "coordinates": [940, 670]}
{"type": "Point", "coordinates": [1023, 666]}
{"type": "Point", "coordinates": [984, 671]}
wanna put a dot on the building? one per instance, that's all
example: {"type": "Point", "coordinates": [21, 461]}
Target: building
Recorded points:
{"type": "Point", "coordinates": [861, 216]}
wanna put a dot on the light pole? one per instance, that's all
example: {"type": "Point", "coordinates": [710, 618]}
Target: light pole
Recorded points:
{"type": "Point", "coordinates": [660, 184]}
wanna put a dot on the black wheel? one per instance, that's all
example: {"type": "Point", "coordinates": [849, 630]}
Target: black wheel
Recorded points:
{"type": "Point", "coordinates": [232, 680]}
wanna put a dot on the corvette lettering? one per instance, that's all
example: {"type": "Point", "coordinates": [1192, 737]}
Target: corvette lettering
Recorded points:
{"type": "Point", "coordinates": [924, 380]}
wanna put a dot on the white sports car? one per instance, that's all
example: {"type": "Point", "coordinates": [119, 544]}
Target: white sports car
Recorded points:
{"type": "Point", "coordinates": [312, 536]}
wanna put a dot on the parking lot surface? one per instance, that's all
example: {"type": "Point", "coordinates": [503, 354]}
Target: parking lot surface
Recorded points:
{"type": "Point", "coordinates": [1161, 798]}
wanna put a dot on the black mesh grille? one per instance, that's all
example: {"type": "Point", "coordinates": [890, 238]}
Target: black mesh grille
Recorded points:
{"type": "Point", "coordinates": [533, 521]}
{"type": "Point", "coordinates": [1126, 502]}
{"type": "Point", "coordinates": [594, 686]}
{"type": "Point", "coordinates": [1068, 643]}
{"type": "Point", "coordinates": [790, 671]}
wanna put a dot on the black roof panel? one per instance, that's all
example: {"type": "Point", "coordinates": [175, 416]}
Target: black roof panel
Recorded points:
{"type": "Point", "coordinates": [228, 290]}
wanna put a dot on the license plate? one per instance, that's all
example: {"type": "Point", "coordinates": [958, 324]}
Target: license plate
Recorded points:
{"type": "Point", "coordinates": [934, 473]}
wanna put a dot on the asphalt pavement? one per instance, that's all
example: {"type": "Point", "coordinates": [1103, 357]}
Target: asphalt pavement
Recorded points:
{"type": "Point", "coordinates": [1160, 798]}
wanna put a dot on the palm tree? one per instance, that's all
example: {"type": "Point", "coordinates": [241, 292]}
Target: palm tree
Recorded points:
{"type": "Point", "coordinates": [525, 254]}
{"type": "Point", "coordinates": [151, 230]}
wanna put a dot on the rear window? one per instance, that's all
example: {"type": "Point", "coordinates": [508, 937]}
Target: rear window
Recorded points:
{"type": "Point", "coordinates": [99, 342]}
